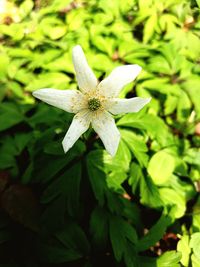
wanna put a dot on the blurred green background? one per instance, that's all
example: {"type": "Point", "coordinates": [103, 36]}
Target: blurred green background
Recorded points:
{"type": "Point", "coordinates": [54, 214]}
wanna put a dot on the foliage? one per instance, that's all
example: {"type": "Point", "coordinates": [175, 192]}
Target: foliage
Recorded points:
{"type": "Point", "coordinates": [140, 208]}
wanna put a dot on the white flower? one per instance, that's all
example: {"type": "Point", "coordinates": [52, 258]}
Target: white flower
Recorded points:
{"type": "Point", "coordinates": [95, 101]}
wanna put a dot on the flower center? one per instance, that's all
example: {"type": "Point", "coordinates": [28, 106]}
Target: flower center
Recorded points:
{"type": "Point", "coordinates": [94, 104]}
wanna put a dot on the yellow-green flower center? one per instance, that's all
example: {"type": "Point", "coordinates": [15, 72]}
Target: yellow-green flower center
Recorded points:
{"type": "Point", "coordinates": [94, 104]}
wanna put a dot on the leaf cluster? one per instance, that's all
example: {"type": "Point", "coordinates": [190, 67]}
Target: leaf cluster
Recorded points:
{"type": "Point", "coordinates": [85, 208]}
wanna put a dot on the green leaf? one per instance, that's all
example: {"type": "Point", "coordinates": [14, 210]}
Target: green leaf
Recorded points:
{"type": "Point", "coordinates": [184, 248]}
{"type": "Point", "coordinates": [191, 87]}
{"type": "Point", "coordinates": [120, 162]}
{"type": "Point", "coordinates": [103, 44]}
{"type": "Point", "coordinates": [73, 237]}
{"type": "Point", "coordinates": [4, 59]}
{"type": "Point", "coordinates": [105, 171]}
{"type": "Point", "coordinates": [56, 210]}
{"type": "Point", "coordinates": [9, 151]}
{"type": "Point", "coordinates": [195, 244]}
{"type": "Point", "coordinates": [57, 254]}
{"type": "Point", "coordinates": [53, 27]}
{"type": "Point", "coordinates": [183, 107]}
{"type": "Point", "coordinates": [46, 115]}
{"type": "Point", "coordinates": [101, 62]}
{"type": "Point", "coordinates": [171, 198]}
{"type": "Point", "coordinates": [196, 217]}
{"type": "Point", "coordinates": [153, 125]}
{"type": "Point", "coordinates": [184, 189]}
{"type": "Point", "coordinates": [62, 63]}
{"type": "Point", "coordinates": [22, 140]}
{"type": "Point", "coordinates": [120, 233]}
{"type": "Point", "coordinates": [67, 186]}
{"type": "Point", "coordinates": [53, 148]}
{"type": "Point", "coordinates": [131, 211]}
{"type": "Point", "coordinates": [169, 259]}
{"type": "Point", "coordinates": [99, 226]}
{"type": "Point", "coordinates": [159, 64]}
{"type": "Point", "coordinates": [198, 3]}
{"type": "Point", "coordinates": [130, 256]}
{"type": "Point", "coordinates": [10, 115]}
{"type": "Point", "coordinates": [115, 179]}
{"type": "Point", "coordinates": [149, 27]}
{"type": "Point", "coordinates": [136, 145]}
{"type": "Point", "coordinates": [149, 193]}
{"type": "Point", "coordinates": [135, 176]}
{"type": "Point", "coordinates": [25, 8]}
{"type": "Point", "coordinates": [51, 79]}
{"type": "Point", "coordinates": [192, 156]}
{"type": "Point", "coordinates": [97, 175]}
{"type": "Point", "coordinates": [14, 31]}
{"type": "Point", "coordinates": [195, 261]}
{"type": "Point", "coordinates": [170, 104]}
{"type": "Point", "coordinates": [23, 76]}
{"type": "Point", "coordinates": [111, 8]}
{"type": "Point", "coordinates": [154, 234]}
{"type": "Point", "coordinates": [147, 261]}
{"type": "Point", "coordinates": [16, 89]}
{"type": "Point", "coordinates": [161, 167]}
{"type": "Point", "coordinates": [116, 169]}
{"type": "Point", "coordinates": [56, 164]}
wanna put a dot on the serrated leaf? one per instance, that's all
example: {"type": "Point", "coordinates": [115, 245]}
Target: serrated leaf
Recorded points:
{"type": "Point", "coordinates": [120, 233]}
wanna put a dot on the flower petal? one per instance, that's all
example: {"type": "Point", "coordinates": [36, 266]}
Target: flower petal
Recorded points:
{"type": "Point", "coordinates": [87, 81]}
{"type": "Point", "coordinates": [79, 125]}
{"type": "Point", "coordinates": [104, 126]}
{"type": "Point", "coordinates": [68, 100]}
{"type": "Point", "coordinates": [119, 77]}
{"type": "Point", "coordinates": [118, 106]}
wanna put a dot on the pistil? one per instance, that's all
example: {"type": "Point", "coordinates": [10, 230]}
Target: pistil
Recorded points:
{"type": "Point", "coordinates": [94, 104]}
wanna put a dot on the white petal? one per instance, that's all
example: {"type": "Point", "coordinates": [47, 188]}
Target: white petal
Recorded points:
{"type": "Point", "coordinates": [118, 106]}
{"type": "Point", "coordinates": [68, 100]}
{"type": "Point", "coordinates": [87, 81]}
{"type": "Point", "coordinates": [104, 126]}
{"type": "Point", "coordinates": [119, 77]}
{"type": "Point", "coordinates": [79, 125]}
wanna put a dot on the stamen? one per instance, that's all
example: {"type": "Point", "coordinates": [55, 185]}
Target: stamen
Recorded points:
{"type": "Point", "coordinates": [94, 104]}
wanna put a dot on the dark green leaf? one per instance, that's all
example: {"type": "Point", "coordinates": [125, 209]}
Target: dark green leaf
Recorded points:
{"type": "Point", "coordinates": [154, 234]}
